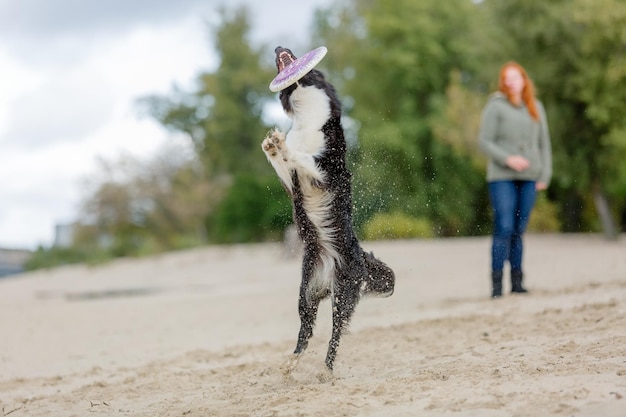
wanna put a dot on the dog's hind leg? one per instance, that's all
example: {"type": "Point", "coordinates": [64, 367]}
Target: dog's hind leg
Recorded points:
{"type": "Point", "coordinates": [344, 303]}
{"type": "Point", "coordinates": [308, 304]}
{"type": "Point", "coordinates": [308, 313]}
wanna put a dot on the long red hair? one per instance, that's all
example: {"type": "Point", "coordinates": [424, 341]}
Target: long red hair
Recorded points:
{"type": "Point", "coordinates": [528, 93]}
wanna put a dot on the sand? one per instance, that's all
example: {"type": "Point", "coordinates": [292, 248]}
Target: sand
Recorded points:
{"type": "Point", "coordinates": [207, 332]}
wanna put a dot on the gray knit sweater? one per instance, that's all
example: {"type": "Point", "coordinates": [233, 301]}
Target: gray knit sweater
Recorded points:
{"type": "Point", "coordinates": [508, 130]}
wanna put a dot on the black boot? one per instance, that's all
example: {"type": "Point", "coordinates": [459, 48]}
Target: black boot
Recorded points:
{"type": "Point", "coordinates": [516, 282]}
{"type": "Point", "coordinates": [496, 284]}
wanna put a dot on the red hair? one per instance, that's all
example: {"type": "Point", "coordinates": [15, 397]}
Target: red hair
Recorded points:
{"type": "Point", "coordinates": [528, 93]}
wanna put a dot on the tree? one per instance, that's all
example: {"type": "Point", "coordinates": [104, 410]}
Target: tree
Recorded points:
{"type": "Point", "coordinates": [394, 61]}
{"type": "Point", "coordinates": [133, 207]}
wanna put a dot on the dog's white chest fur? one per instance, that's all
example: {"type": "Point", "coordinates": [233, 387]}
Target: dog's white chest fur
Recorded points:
{"type": "Point", "coordinates": [310, 111]}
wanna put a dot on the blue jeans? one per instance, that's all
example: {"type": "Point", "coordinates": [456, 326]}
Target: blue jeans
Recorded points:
{"type": "Point", "coordinates": [512, 202]}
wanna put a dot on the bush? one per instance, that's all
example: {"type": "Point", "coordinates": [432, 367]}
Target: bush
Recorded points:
{"type": "Point", "coordinates": [254, 209]}
{"type": "Point", "coordinates": [53, 257]}
{"type": "Point", "coordinates": [544, 217]}
{"type": "Point", "coordinates": [396, 226]}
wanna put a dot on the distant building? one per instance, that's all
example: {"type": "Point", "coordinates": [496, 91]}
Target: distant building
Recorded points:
{"type": "Point", "coordinates": [12, 261]}
{"type": "Point", "coordinates": [64, 235]}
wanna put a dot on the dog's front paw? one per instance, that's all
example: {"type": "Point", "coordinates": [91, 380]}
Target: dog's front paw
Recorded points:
{"type": "Point", "coordinates": [274, 143]}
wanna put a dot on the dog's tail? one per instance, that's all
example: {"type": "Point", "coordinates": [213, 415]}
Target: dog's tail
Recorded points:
{"type": "Point", "coordinates": [380, 279]}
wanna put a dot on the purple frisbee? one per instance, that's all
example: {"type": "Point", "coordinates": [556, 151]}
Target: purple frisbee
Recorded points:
{"type": "Point", "coordinates": [297, 69]}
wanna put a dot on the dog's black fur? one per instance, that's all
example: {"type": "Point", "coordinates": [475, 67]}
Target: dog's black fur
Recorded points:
{"type": "Point", "coordinates": [310, 162]}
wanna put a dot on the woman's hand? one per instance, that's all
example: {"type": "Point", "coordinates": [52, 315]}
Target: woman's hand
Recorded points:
{"type": "Point", "coordinates": [517, 163]}
{"type": "Point", "coordinates": [540, 186]}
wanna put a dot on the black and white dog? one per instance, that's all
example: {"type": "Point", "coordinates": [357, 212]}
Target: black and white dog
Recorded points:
{"type": "Point", "coordinates": [310, 162]}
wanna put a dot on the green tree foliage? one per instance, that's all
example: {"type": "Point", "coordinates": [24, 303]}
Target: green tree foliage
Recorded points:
{"type": "Point", "coordinates": [252, 209]}
{"type": "Point", "coordinates": [397, 59]}
{"type": "Point", "coordinates": [454, 120]}
{"type": "Point", "coordinates": [413, 77]}
{"type": "Point", "coordinates": [575, 52]}
{"type": "Point", "coordinates": [134, 207]}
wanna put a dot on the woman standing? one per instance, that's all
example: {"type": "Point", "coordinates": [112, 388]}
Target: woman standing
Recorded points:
{"type": "Point", "coordinates": [514, 135]}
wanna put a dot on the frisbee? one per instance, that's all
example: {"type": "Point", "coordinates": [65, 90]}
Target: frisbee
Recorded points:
{"type": "Point", "coordinates": [297, 69]}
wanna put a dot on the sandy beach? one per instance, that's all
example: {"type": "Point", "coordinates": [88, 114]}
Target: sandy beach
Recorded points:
{"type": "Point", "coordinates": [206, 332]}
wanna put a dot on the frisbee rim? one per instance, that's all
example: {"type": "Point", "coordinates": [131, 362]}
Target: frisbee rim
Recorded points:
{"type": "Point", "coordinates": [314, 57]}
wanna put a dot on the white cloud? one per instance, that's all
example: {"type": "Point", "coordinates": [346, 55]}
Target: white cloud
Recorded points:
{"type": "Point", "coordinates": [14, 81]}
{"type": "Point", "coordinates": [67, 109]}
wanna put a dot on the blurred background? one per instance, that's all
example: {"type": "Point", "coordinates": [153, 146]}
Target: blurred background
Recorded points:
{"type": "Point", "coordinates": [134, 128]}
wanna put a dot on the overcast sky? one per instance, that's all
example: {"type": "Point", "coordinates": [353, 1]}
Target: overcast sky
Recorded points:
{"type": "Point", "coordinates": [70, 73]}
